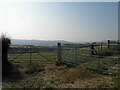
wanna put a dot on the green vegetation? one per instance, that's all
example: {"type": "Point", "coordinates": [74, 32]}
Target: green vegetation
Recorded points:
{"type": "Point", "coordinates": [94, 71]}
{"type": "Point", "coordinates": [34, 68]}
{"type": "Point", "coordinates": [116, 80]}
{"type": "Point", "coordinates": [34, 57]}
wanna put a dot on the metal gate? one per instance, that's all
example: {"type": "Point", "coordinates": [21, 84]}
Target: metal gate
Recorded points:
{"type": "Point", "coordinates": [30, 53]}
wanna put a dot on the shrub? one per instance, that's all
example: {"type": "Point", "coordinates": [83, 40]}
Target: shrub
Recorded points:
{"type": "Point", "coordinates": [34, 68]}
{"type": "Point", "coordinates": [6, 65]}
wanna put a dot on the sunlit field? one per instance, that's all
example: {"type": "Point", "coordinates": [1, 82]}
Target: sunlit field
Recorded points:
{"type": "Point", "coordinates": [92, 71]}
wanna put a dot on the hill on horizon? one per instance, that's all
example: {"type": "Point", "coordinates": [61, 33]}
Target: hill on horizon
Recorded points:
{"type": "Point", "coordinates": [37, 42]}
{"type": "Point", "coordinates": [47, 42]}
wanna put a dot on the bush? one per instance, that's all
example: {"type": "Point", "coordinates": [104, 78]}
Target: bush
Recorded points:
{"type": "Point", "coordinates": [6, 65]}
{"type": "Point", "coordinates": [34, 68]}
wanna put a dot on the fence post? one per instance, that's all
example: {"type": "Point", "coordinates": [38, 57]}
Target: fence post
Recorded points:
{"type": "Point", "coordinates": [101, 45]}
{"type": "Point", "coordinates": [108, 43]}
{"type": "Point", "coordinates": [92, 49]}
{"type": "Point", "coordinates": [59, 56]}
{"type": "Point", "coordinates": [30, 54]}
{"type": "Point", "coordinates": [76, 53]}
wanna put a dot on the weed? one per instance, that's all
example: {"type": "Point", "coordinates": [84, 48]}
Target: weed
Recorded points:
{"type": "Point", "coordinates": [34, 68]}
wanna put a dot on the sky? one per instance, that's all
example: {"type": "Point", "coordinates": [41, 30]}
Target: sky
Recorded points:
{"type": "Point", "coordinates": [70, 21]}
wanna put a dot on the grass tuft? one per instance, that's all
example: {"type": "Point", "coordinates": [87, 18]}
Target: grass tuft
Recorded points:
{"type": "Point", "coordinates": [74, 73]}
{"type": "Point", "coordinates": [34, 68]}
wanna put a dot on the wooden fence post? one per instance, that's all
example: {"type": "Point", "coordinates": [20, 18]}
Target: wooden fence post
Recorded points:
{"type": "Point", "coordinates": [30, 54]}
{"type": "Point", "coordinates": [101, 45]}
{"type": "Point", "coordinates": [59, 56]}
{"type": "Point", "coordinates": [76, 53]}
{"type": "Point", "coordinates": [92, 49]}
{"type": "Point", "coordinates": [108, 43]}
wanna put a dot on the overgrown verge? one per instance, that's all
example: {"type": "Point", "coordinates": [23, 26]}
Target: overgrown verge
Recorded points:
{"type": "Point", "coordinates": [34, 68]}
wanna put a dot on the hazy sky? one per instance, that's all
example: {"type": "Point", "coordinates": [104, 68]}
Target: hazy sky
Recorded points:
{"type": "Point", "coordinates": [71, 21]}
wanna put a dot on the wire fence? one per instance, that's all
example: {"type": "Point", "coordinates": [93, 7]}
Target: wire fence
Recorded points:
{"type": "Point", "coordinates": [102, 58]}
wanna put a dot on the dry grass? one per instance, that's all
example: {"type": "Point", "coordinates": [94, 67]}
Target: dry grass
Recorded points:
{"type": "Point", "coordinates": [63, 77]}
{"type": "Point", "coordinates": [72, 74]}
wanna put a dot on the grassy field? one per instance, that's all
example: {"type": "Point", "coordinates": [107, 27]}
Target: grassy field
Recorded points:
{"type": "Point", "coordinates": [34, 57]}
{"type": "Point", "coordinates": [45, 75]}
{"type": "Point", "coordinates": [80, 56]}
